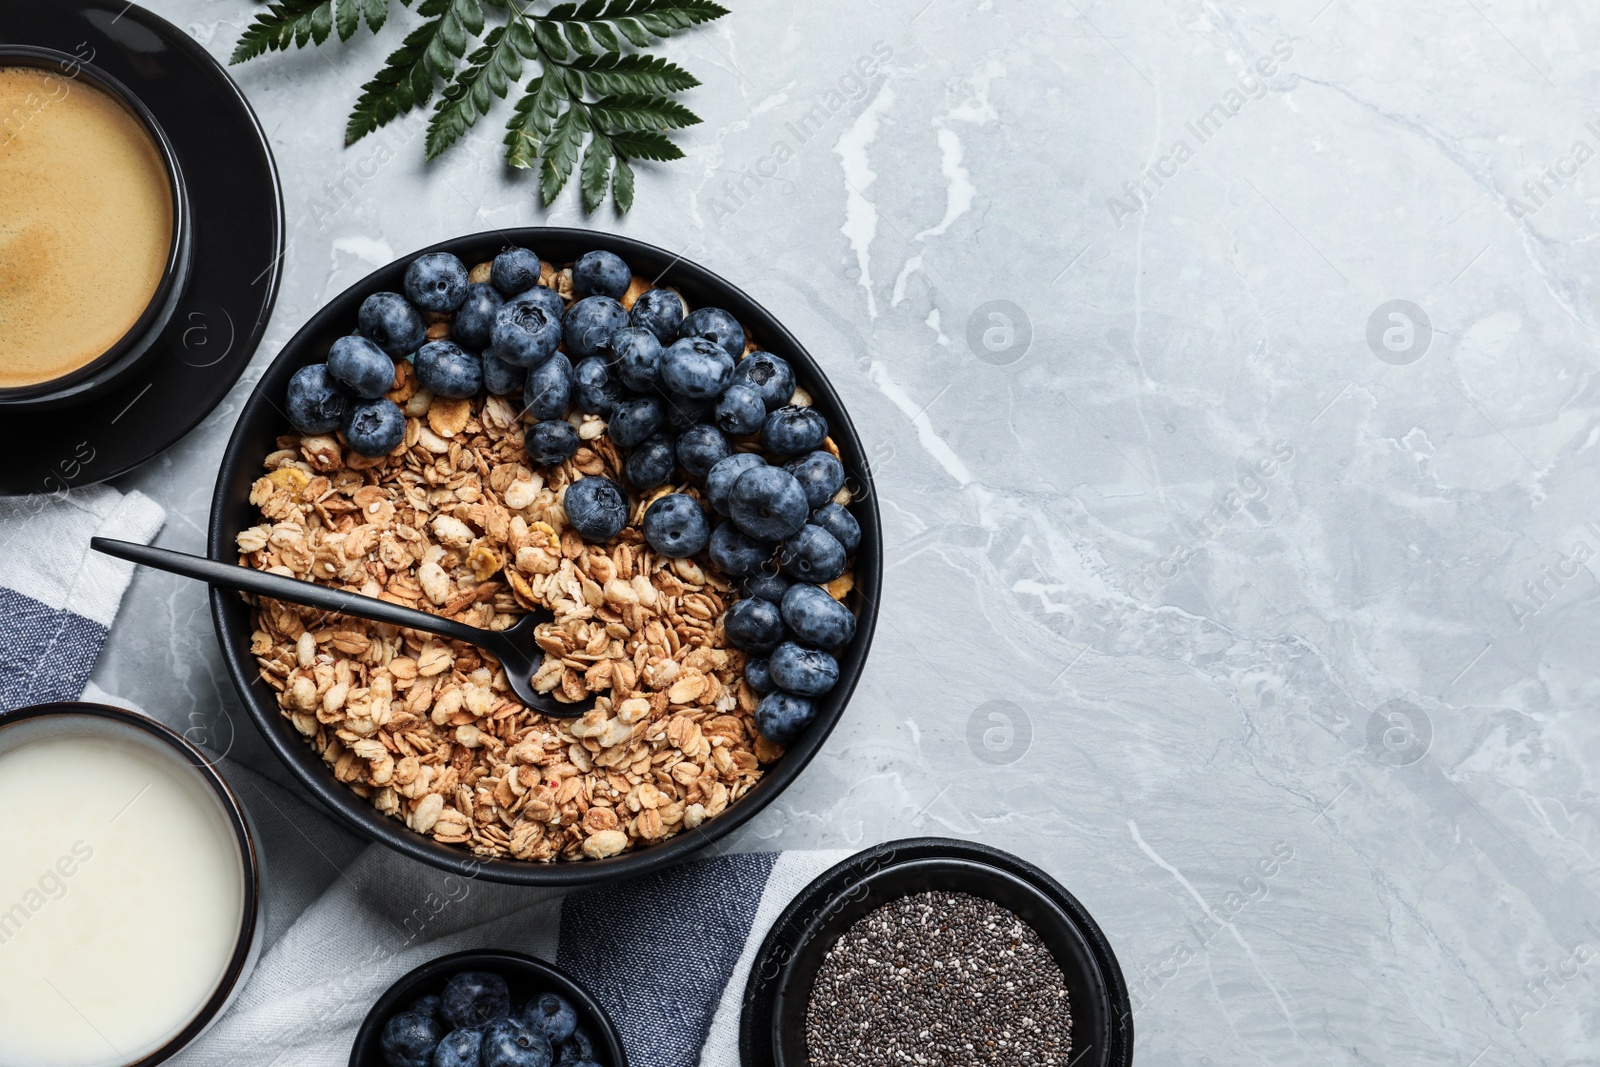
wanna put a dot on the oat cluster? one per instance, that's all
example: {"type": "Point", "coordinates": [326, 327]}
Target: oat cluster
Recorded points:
{"type": "Point", "coordinates": [454, 522]}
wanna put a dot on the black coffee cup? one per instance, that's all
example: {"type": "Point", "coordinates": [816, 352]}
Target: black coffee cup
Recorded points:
{"type": "Point", "coordinates": [142, 340]}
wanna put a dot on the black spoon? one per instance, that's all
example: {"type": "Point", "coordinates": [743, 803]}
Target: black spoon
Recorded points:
{"type": "Point", "coordinates": [519, 656]}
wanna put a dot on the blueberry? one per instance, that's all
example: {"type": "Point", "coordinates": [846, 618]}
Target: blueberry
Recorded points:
{"type": "Point", "coordinates": [767, 586]}
{"type": "Point", "coordinates": [740, 411]}
{"type": "Point", "coordinates": [361, 366]}
{"type": "Point", "coordinates": [675, 525]}
{"type": "Point", "coordinates": [549, 388]}
{"type": "Point", "coordinates": [375, 427]}
{"type": "Point", "coordinates": [651, 463]}
{"type": "Point", "coordinates": [753, 625]}
{"type": "Point", "coordinates": [500, 377]}
{"type": "Point", "coordinates": [813, 555]}
{"type": "Point", "coordinates": [507, 1043]}
{"type": "Point", "coordinates": [702, 447]}
{"type": "Point", "coordinates": [473, 325]}
{"type": "Point", "coordinates": [771, 376]}
{"type": "Point", "coordinates": [525, 334]}
{"type": "Point", "coordinates": [803, 671]}
{"type": "Point", "coordinates": [542, 297]}
{"type": "Point", "coordinates": [781, 716]}
{"type": "Point", "coordinates": [819, 474]}
{"type": "Point", "coordinates": [448, 370]}
{"type": "Point", "coordinates": [472, 998]}
{"type": "Point", "coordinates": [717, 326]}
{"type": "Point", "coordinates": [316, 403]}
{"type": "Point", "coordinates": [682, 414]}
{"type": "Point", "coordinates": [817, 619]}
{"type": "Point", "coordinates": [436, 282]}
{"type": "Point", "coordinates": [393, 323]}
{"type": "Point", "coordinates": [637, 357]}
{"type": "Point", "coordinates": [575, 1050]}
{"type": "Point", "coordinates": [551, 442]}
{"type": "Point", "coordinates": [719, 482]}
{"type": "Point", "coordinates": [551, 1015]}
{"type": "Point", "coordinates": [634, 420]}
{"type": "Point", "coordinates": [427, 1004]}
{"type": "Point", "coordinates": [792, 430]}
{"type": "Point", "coordinates": [736, 554]}
{"type": "Point", "coordinates": [514, 270]}
{"type": "Point", "coordinates": [695, 368]}
{"type": "Point", "coordinates": [601, 274]}
{"type": "Point", "coordinates": [595, 388]}
{"type": "Point", "coordinates": [596, 507]}
{"type": "Point", "coordinates": [660, 311]}
{"type": "Point", "coordinates": [590, 323]}
{"type": "Point", "coordinates": [460, 1048]}
{"type": "Point", "coordinates": [767, 503]}
{"type": "Point", "coordinates": [408, 1040]}
{"type": "Point", "coordinates": [839, 522]}
{"type": "Point", "coordinates": [759, 675]}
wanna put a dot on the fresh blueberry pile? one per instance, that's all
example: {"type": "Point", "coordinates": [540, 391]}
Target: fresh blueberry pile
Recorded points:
{"type": "Point", "coordinates": [471, 1024]}
{"type": "Point", "coordinates": [682, 399]}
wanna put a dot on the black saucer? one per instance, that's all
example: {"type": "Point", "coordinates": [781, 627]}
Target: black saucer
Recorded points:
{"type": "Point", "coordinates": [238, 248]}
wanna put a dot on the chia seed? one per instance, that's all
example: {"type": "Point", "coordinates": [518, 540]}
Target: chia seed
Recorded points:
{"type": "Point", "coordinates": [939, 980]}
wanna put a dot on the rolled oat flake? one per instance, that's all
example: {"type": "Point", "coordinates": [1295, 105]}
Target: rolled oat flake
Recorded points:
{"type": "Point", "coordinates": [939, 980]}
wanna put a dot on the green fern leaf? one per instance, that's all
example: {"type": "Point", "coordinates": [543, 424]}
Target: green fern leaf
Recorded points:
{"type": "Point", "coordinates": [645, 144]}
{"type": "Point", "coordinates": [595, 175]}
{"type": "Point", "coordinates": [549, 38]}
{"type": "Point", "coordinates": [314, 26]}
{"type": "Point", "coordinates": [634, 31]}
{"type": "Point", "coordinates": [577, 38]}
{"type": "Point", "coordinates": [620, 75]}
{"type": "Point", "coordinates": [273, 29]}
{"type": "Point", "coordinates": [347, 18]}
{"type": "Point", "coordinates": [622, 186]}
{"type": "Point", "coordinates": [641, 113]}
{"type": "Point", "coordinates": [522, 39]}
{"type": "Point", "coordinates": [560, 152]}
{"type": "Point", "coordinates": [592, 107]}
{"type": "Point", "coordinates": [532, 121]}
{"type": "Point", "coordinates": [405, 81]}
{"type": "Point", "coordinates": [467, 98]}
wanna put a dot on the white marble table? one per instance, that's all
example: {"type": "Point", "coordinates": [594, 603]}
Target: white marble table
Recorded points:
{"type": "Point", "coordinates": [1251, 592]}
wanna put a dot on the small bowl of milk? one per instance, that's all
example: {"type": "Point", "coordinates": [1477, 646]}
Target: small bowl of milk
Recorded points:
{"type": "Point", "coordinates": [129, 889]}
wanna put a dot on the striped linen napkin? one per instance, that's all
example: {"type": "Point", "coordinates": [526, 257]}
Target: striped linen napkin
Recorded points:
{"type": "Point", "coordinates": [667, 954]}
{"type": "Point", "coordinates": [57, 598]}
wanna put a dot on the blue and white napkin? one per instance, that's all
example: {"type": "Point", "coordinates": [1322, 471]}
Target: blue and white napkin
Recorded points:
{"type": "Point", "coordinates": [667, 954]}
{"type": "Point", "coordinates": [57, 598]}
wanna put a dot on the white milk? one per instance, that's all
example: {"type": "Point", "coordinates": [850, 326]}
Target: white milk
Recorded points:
{"type": "Point", "coordinates": [121, 899]}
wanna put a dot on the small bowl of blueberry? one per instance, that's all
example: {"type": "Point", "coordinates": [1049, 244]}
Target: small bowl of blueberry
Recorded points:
{"type": "Point", "coordinates": [487, 1008]}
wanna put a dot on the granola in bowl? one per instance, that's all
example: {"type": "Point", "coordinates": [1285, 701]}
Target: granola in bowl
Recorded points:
{"type": "Point", "coordinates": [457, 520]}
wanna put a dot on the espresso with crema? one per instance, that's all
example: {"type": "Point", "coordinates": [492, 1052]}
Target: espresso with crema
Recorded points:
{"type": "Point", "coordinates": [86, 219]}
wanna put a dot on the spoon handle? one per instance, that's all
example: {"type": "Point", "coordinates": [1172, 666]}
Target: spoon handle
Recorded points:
{"type": "Point", "coordinates": [293, 590]}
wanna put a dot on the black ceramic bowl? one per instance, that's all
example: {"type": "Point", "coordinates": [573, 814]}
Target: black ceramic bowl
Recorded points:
{"type": "Point", "coordinates": [772, 1023]}
{"type": "Point", "coordinates": [263, 420]}
{"type": "Point", "coordinates": [100, 375]}
{"type": "Point", "coordinates": [527, 978]}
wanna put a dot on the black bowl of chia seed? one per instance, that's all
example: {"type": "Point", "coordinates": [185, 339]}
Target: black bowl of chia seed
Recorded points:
{"type": "Point", "coordinates": [948, 951]}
